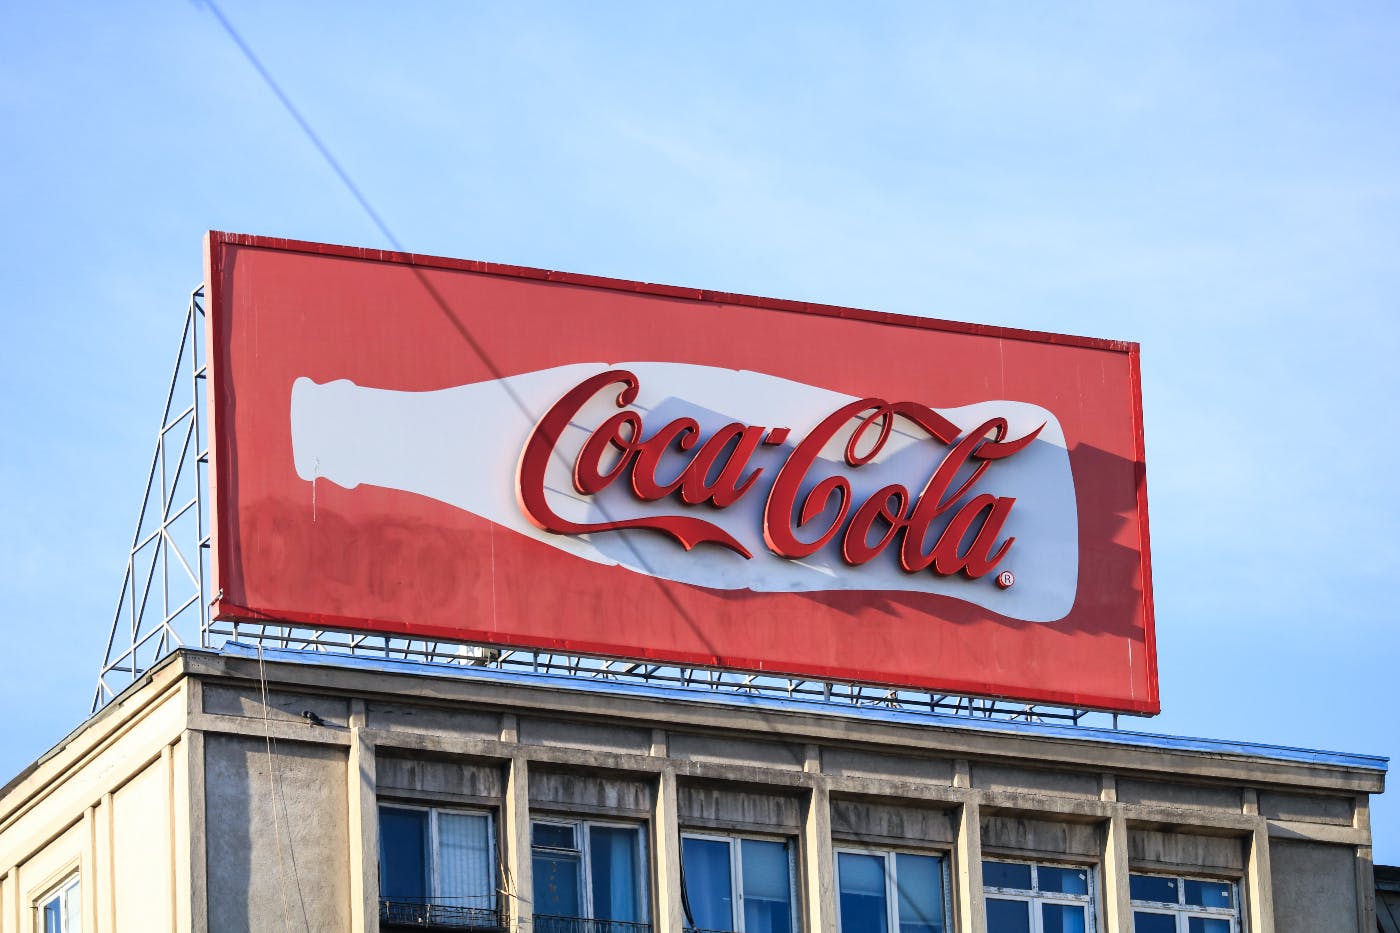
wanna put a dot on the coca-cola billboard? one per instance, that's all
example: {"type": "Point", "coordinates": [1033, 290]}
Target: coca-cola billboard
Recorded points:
{"type": "Point", "coordinates": [456, 450]}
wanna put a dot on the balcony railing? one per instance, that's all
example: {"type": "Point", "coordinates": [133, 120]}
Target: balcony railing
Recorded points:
{"type": "Point", "coordinates": [545, 923]}
{"type": "Point", "coordinates": [427, 914]}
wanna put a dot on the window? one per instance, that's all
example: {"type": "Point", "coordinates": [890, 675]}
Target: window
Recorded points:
{"type": "Point", "coordinates": [1027, 897]}
{"type": "Point", "coordinates": [737, 885]}
{"type": "Point", "coordinates": [1169, 904]}
{"type": "Point", "coordinates": [882, 892]}
{"type": "Point", "coordinates": [589, 876]}
{"type": "Point", "coordinates": [60, 910]}
{"type": "Point", "coordinates": [437, 868]}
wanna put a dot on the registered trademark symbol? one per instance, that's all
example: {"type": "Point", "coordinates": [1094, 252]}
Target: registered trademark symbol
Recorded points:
{"type": "Point", "coordinates": [1006, 579]}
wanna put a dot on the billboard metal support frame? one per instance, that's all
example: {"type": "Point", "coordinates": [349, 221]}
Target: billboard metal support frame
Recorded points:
{"type": "Point", "coordinates": [164, 594]}
{"type": "Point", "coordinates": [164, 602]}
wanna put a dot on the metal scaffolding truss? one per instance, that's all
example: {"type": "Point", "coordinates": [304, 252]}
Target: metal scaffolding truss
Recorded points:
{"type": "Point", "coordinates": [164, 601]}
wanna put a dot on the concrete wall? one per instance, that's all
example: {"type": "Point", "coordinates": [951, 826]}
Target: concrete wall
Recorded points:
{"type": "Point", "coordinates": [440, 780]}
{"type": "Point", "coordinates": [276, 835]}
{"type": "Point", "coordinates": [892, 824]}
{"type": "Point", "coordinates": [109, 805]}
{"type": "Point", "coordinates": [737, 809]}
{"type": "Point", "coordinates": [1168, 850]}
{"type": "Point", "coordinates": [1314, 887]}
{"type": "Point", "coordinates": [38, 875]}
{"type": "Point", "coordinates": [144, 858]}
{"type": "Point", "coordinates": [579, 791]}
{"type": "Point", "coordinates": [1388, 898]}
{"type": "Point", "coordinates": [1010, 835]}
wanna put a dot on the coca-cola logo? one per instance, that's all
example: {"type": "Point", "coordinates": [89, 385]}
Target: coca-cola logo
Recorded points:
{"type": "Point", "coordinates": [947, 527]}
{"type": "Point", "coordinates": [726, 479]}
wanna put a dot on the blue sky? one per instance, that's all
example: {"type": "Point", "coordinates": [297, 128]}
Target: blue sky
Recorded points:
{"type": "Point", "coordinates": [1220, 182]}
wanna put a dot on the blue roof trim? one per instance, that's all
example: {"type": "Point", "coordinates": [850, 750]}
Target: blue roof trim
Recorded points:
{"type": "Point", "coordinates": [870, 714]}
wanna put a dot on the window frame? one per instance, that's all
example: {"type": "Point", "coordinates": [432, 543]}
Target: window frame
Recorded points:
{"type": "Point", "coordinates": [582, 827]}
{"type": "Point", "coordinates": [59, 893]}
{"type": "Point", "coordinates": [736, 872]}
{"type": "Point", "coordinates": [493, 878]}
{"type": "Point", "coordinates": [1035, 896]}
{"type": "Point", "coordinates": [1182, 912]}
{"type": "Point", "coordinates": [889, 855]}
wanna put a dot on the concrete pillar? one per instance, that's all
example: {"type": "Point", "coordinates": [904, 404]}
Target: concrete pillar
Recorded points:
{"type": "Point", "coordinates": [1258, 880]}
{"type": "Point", "coordinates": [1365, 867]}
{"type": "Point", "coordinates": [8, 901]}
{"type": "Point", "coordinates": [818, 861]}
{"type": "Point", "coordinates": [87, 865]}
{"type": "Point", "coordinates": [177, 882]}
{"type": "Point", "coordinates": [515, 839]}
{"type": "Point", "coordinates": [969, 909]}
{"type": "Point", "coordinates": [1366, 889]}
{"type": "Point", "coordinates": [16, 893]}
{"type": "Point", "coordinates": [1117, 898]}
{"type": "Point", "coordinates": [967, 870]}
{"type": "Point", "coordinates": [666, 839]}
{"type": "Point", "coordinates": [363, 805]}
{"type": "Point", "coordinates": [194, 909]}
{"type": "Point", "coordinates": [107, 841]}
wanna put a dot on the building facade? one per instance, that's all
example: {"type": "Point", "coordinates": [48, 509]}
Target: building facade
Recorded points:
{"type": "Point", "coordinates": [243, 791]}
{"type": "Point", "coordinates": [1388, 898]}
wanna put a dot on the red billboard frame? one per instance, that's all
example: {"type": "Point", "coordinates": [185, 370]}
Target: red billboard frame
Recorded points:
{"type": "Point", "coordinates": [1143, 698]}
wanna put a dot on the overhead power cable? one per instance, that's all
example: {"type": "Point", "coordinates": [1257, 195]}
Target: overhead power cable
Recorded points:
{"type": "Point", "coordinates": [311, 134]}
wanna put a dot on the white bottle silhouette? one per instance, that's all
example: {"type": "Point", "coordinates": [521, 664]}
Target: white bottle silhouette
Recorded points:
{"type": "Point", "coordinates": [461, 446]}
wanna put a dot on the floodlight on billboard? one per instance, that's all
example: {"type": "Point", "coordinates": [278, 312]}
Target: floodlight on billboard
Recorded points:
{"type": "Point", "coordinates": [444, 449]}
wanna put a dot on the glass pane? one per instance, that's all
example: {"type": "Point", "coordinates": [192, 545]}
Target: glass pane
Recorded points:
{"type": "Point", "coordinates": [861, 879]}
{"type": "Point", "coordinates": [72, 910]}
{"type": "Point", "coordinates": [1207, 925]}
{"type": "Point", "coordinates": [557, 884]}
{"type": "Point", "coordinates": [1063, 880]}
{"type": "Point", "coordinates": [708, 885]}
{"type": "Point", "coordinates": [919, 879]}
{"type": "Point", "coordinates": [1062, 918]}
{"type": "Point", "coordinates": [613, 862]}
{"type": "Point", "coordinates": [1144, 922]}
{"type": "Point", "coordinates": [403, 854]}
{"type": "Point", "coordinates": [1006, 875]}
{"type": "Point", "coordinates": [1208, 894]}
{"type": "Point", "coordinates": [53, 917]}
{"type": "Point", "coordinates": [1152, 888]}
{"type": "Point", "coordinates": [464, 861]}
{"type": "Point", "coordinates": [553, 836]}
{"type": "Point", "coordinates": [767, 886]}
{"type": "Point", "coordinates": [1008, 916]}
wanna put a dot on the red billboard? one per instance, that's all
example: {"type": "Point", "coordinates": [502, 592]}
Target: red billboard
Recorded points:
{"type": "Point", "coordinates": [457, 450]}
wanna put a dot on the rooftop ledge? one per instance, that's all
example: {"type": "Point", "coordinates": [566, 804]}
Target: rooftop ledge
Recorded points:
{"type": "Point", "coordinates": [1147, 740]}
